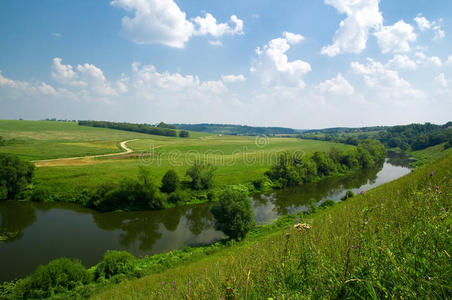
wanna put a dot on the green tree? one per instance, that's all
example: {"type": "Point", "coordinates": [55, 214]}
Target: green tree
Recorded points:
{"type": "Point", "coordinates": [233, 213]}
{"type": "Point", "coordinates": [201, 175]}
{"type": "Point", "coordinates": [184, 134]}
{"type": "Point", "coordinates": [170, 182]}
{"type": "Point", "coordinates": [2, 141]}
{"type": "Point", "coordinates": [15, 175]}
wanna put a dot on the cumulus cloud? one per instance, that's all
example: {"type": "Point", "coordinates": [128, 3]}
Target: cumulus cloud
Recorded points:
{"type": "Point", "coordinates": [425, 60]}
{"type": "Point", "coordinates": [396, 38]}
{"type": "Point", "coordinates": [208, 26]}
{"type": "Point", "coordinates": [87, 76]}
{"type": "Point", "coordinates": [163, 22]}
{"type": "Point", "coordinates": [233, 78]}
{"type": "Point", "coordinates": [28, 88]}
{"type": "Point", "coordinates": [336, 86]}
{"type": "Point", "coordinates": [425, 25]}
{"type": "Point", "coordinates": [273, 65]}
{"type": "Point", "coordinates": [384, 83]}
{"type": "Point", "coordinates": [353, 31]}
{"type": "Point", "coordinates": [441, 80]}
{"type": "Point", "coordinates": [402, 62]}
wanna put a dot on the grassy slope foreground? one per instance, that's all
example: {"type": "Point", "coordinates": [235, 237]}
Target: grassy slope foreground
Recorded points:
{"type": "Point", "coordinates": [392, 242]}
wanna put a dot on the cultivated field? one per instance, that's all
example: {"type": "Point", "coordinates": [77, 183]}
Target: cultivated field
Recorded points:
{"type": "Point", "coordinates": [238, 158]}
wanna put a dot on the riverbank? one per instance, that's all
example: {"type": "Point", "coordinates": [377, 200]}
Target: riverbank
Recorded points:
{"type": "Point", "coordinates": [345, 251]}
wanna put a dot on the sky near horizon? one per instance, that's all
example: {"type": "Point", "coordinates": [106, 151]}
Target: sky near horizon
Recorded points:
{"type": "Point", "coordinates": [293, 63]}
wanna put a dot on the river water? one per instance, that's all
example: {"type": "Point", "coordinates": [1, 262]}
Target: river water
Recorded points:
{"type": "Point", "coordinates": [35, 233]}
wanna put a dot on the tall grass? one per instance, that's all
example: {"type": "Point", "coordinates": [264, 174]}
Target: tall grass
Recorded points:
{"type": "Point", "coordinates": [390, 242]}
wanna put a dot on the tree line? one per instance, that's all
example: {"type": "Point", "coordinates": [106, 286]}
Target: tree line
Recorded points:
{"type": "Point", "coordinates": [142, 128]}
{"type": "Point", "coordinates": [405, 137]}
{"type": "Point", "coordinates": [291, 170]}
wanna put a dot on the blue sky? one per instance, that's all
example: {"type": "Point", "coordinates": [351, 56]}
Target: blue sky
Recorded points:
{"type": "Point", "coordinates": [301, 64]}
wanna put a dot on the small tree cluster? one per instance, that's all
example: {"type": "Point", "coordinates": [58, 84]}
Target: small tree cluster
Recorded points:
{"type": "Point", "coordinates": [201, 175]}
{"type": "Point", "coordinates": [184, 134]}
{"type": "Point", "coordinates": [15, 175]}
{"type": "Point", "coordinates": [233, 213]}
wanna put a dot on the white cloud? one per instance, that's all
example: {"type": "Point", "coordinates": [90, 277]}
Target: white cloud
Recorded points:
{"type": "Point", "coordinates": [293, 38]}
{"type": "Point", "coordinates": [449, 60]}
{"type": "Point", "coordinates": [208, 26]}
{"type": "Point", "coordinates": [87, 76]}
{"type": "Point", "coordinates": [337, 86]}
{"type": "Point", "coordinates": [29, 88]}
{"type": "Point", "coordinates": [353, 31]}
{"type": "Point", "coordinates": [425, 60]}
{"type": "Point", "coordinates": [233, 78]}
{"type": "Point", "coordinates": [396, 38]}
{"type": "Point", "coordinates": [57, 35]}
{"type": "Point", "coordinates": [256, 16]}
{"type": "Point", "coordinates": [163, 22]}
{"type": "Point", "coordinates": [273, 65]}
{"type": "Point", "coordinates": [441, 80]}
{"type": "Point", "coordinates": [425, 24]}
{"type": "Point", "coordinates": [149, 83]}
{"type": "Point", "coordinates": [435, 60]}
{"type": "Point", "coordinates": [402, 62]}
{"type": "Point", "coordinates": [384, 83]}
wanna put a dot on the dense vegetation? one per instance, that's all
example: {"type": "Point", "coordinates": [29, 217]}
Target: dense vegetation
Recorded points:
{"type": "Point", "coordinates": [391, 242]}
{"type": "Point", "coordinates": [405, 137]}
{"type": "Point", "coordinates": [236, 129]}
{"type": "Point", "coordinates": [233, 213]}
{"type": "Point", "coordinates": [15, 176]}
{"type": "Point", "coordinates": [2, 141]}
{"type": "Point", "coordinates": [142, 128]}
{"type": "Point", "coordinates": [291, 170]}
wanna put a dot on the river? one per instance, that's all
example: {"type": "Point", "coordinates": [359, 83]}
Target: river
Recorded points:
{"type": "Point", "coordinates": [35, 233]}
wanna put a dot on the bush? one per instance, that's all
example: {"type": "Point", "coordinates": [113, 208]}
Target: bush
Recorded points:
{"type": "Point", "coordinates": [115, 263]}
{"type": "Point", "coordinates": [58, 277]}
{"type": "Point", "coordinates": [2, 141]}
{"type": "Point", "coordinates": [170, 182]}
{"type": "Point", "coordinates": [140, 193]}
{"type": "Point", "coordinates": [233, 213]}
{"type": "Point", "coordinates": [201, 175]}
{"type": "Point", "coordinates": [41, 193]}
{"type": "Point", "coordinates": [327, 203]}
{"type": "Point", "coordinates": [347, 195]}
{"type": "Point", "coordinates": [184, 134]}
{"type": "Point", "coordinates": [179, 196]}
{"type": "Point", "coordinates": [15, 175]}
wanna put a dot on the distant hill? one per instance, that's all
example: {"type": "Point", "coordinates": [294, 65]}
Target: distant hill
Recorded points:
{"type": "Point", "coordinates": [237, 129]}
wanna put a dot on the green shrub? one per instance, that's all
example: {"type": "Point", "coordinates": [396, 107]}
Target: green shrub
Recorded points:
{"type": "Point", "coordinates": [58, 277]}
{"type": "Point", "coordinates": [42, 193]}
{"type": "Point", "coordinates": [201, 175]}
{"type": "Point", "coordinates": [327, 203]}
{"type": "Point", "coordinates": [233, 213]}
{"type": "Point", "coordinates": [15, 175]}
{"type": "Point", "coordinates": [170, 182]}
{"type": "Point", "coordinates": [184, 134]}
{"type": "Point", "coordinates": [179, 196]}
{"type": "Point", "coordinates": [115, 263]}
{"type": "Point", "coordinates": [347, 195]}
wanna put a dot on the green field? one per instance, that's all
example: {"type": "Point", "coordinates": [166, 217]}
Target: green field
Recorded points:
{"type": "Point", "coordinates": [392, 242]}
{"type": "Point", "coordinates": [238, 159]}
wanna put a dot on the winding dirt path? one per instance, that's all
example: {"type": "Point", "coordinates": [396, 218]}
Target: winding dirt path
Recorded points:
{"type": "Point", "coordinates": [81, 160]}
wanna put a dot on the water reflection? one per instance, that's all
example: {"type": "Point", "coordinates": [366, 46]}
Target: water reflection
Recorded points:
{"type": "Point", "coordinates": [14, 219]}
{"type": "Point", "coordinates": [35, 233]}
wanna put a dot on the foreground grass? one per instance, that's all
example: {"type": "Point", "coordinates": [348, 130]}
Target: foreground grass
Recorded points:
{"type": "Point", "coordinates": [392, 242]}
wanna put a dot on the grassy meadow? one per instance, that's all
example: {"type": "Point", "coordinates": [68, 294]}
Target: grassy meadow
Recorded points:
{"type": "Point", "coordinates": [392, 242]}
{"type": "Point", "coordinates": [238, 159]}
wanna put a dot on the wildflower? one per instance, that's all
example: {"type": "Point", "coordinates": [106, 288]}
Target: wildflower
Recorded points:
{"type": "Point", "coordinates": [162, 283]}
{"type": "Point", "coordinates": [302, 227]}
{"type": "Point", "coordinates": [431, 174]}
{"type": "Point", "coordinates": [297, 220]}
{"type": "Point", "coordinates": [174, 283]}
{"type": "Point", "coordinates": [362, 193]}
